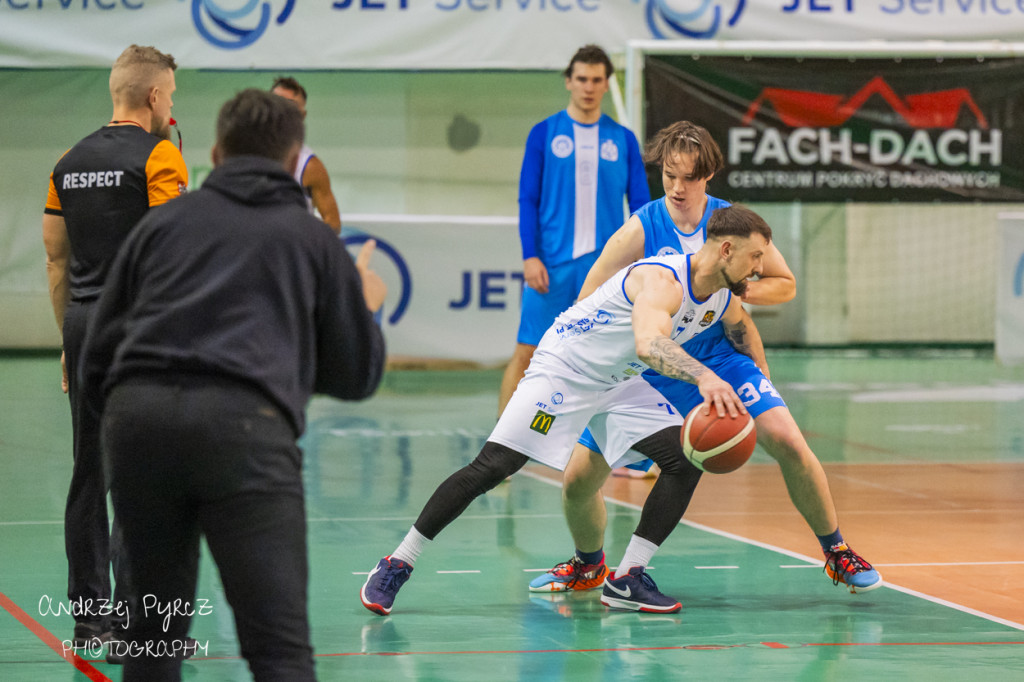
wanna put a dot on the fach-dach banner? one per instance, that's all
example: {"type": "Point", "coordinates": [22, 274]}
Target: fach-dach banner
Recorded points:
{"type": "Point", "coordinates": [826, 130]}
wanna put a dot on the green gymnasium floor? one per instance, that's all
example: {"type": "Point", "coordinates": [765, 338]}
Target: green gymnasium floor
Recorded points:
{"type": "Point", "coordinates": [751, 610]}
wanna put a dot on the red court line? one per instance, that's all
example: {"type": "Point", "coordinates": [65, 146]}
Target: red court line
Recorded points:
{"type": "Point", "coordinates": [681, 647]}
{"type": "Point", "coordinates": [50, 640]}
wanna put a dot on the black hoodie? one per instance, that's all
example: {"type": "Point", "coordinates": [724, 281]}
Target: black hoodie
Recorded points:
{"type": "Point", "coordinates": [237, 280]}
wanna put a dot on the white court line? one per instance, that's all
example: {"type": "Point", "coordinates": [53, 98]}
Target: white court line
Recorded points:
{"type": "Point", "coordinates": [801, 557]}
{"type": "Point", "coordinates": [713, 568]}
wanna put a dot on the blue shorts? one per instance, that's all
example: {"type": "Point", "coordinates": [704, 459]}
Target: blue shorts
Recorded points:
{"type": "Point", "coordinates": [714, 351]}
{"type": "Point", "coordinates": [540, 310]}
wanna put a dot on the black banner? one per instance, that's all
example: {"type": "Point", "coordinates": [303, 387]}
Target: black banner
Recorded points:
{"type": "Point", "coordinates": [833, 130]}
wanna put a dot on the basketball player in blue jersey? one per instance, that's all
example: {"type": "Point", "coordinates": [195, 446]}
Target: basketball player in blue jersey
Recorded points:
{"type": "Point", "coordinates": [310, 172]}
{"type": "Point", "coordinates": [587, 371]}
{"type": "Point", "coordinates": [689, 157]}
{"type": "Point", "coordinates": [578, 166]}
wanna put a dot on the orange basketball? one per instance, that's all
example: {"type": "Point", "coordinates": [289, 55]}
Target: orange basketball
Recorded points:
{"type": "Point", "coordinates": [716, 444]}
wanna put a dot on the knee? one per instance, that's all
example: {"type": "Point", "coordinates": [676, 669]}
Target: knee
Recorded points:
{"type": "Point", "coordinates": [783, 446]}
{"type": "Point", "coordinates": [495, 463]}
{"type": "Point", "coordinates": [583, 481]}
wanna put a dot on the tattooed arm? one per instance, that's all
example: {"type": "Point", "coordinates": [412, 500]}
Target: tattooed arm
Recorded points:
{"type": "Point", "coordinates": [656, 297]}
{"type": "Point", "coordinates": [743, 334]}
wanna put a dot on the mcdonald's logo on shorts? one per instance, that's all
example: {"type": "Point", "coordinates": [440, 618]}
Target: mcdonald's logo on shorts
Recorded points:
{"type": "Point", "coordinates": [542, 422]}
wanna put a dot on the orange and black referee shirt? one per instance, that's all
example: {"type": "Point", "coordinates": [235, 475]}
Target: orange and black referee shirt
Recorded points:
{"type": "Point", "coordinates": [102, 187]}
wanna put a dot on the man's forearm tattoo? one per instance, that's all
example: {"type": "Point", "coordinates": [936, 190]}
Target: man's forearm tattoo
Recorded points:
{"type": "Point", "coordinates": [668, 358]}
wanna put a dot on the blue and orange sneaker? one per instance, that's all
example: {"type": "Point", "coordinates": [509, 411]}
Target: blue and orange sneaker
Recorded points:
{"type": "Point", "coordinates": [845, 566]}
{"type": "Point", "coordinates": [636, 591]}
{"type": "Point", "coordinates": [383, 583]}
{"type": "Point", "coordinates": [570, 575]}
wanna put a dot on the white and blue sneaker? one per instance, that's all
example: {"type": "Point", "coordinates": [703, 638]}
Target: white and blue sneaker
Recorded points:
{"type": "Point", "coordinates": [845, 566]}
{"type": "Point", "coordinates": [383, 583]}
{"type": "Point", "coordinates": [636, 591]}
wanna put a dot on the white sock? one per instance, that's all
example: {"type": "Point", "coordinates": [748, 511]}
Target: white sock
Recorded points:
{"type": "Point", "coordinates": [638, 553]}
{"type": "Point", "coordinates": [412, 545]}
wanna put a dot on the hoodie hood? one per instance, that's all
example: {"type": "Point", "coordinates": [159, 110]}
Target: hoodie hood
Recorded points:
{"type": "Point", "coordinates": [255, 180]}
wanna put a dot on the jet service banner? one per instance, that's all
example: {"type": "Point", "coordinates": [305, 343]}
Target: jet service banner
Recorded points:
{"type": "Point", "coordinates": [456, 34]}
{"type": "Point", "coordinates": [827, 130]}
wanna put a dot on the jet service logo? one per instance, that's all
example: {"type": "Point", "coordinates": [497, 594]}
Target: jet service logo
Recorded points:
{"type": "Point", "coordinates": [669, 19]}
{"type": "Point", "coordinates": [236, 28]}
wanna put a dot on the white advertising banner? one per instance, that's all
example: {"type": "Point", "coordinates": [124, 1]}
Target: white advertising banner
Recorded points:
{"type": "Point", "coordinates": [456, 34]}
{"type": "Point", "coordinates": [455, 283]}
{"type": "Point", "coordinates": [1010, 290]}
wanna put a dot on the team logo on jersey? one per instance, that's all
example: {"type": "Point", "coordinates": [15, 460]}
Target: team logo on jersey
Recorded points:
{"type": "Point", "coordinates": [557, 398]}
{"type": "Point", "coordinates": [688, 317]}
{"type": "Point", "coordinates": [668, 251]}
{"type": "Point", "coordinates": [542, 422]}
{"type": "Point", "coordinates": [708, 318]}
{"type": "Point", "coordinates": [609, 151]}
{"type": "Point", "coordinates": [235, 27]}
{"type": "Point", "coordinates": [561, 146]}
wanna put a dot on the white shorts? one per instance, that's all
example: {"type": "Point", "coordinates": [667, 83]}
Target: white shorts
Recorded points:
{"type": "Point", "coordinates": [552, 405]}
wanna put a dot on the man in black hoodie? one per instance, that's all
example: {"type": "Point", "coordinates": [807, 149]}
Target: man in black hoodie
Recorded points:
{"type": "Point", "coordinates": [223, 312]}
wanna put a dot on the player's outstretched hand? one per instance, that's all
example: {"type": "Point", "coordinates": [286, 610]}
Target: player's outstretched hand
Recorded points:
{"type": "Point", "coordinates": [720, 395]}
{"type": "Point", "coordinates": [374, 289]}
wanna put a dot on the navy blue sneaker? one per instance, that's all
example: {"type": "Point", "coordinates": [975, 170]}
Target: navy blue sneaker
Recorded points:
{"type": "Point", "coordinates": [383, 583]}
{"type": "Point", "coordinates": [636, 591]}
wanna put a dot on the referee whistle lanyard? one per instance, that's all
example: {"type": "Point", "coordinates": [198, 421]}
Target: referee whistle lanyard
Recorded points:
{"type": "Point", "coordinates": [175, 124]}
{"type": "Point", "coordinates": [170, 121]}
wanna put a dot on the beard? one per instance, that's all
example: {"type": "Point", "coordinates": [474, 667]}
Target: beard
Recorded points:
{"type": "Point", "coordinates": [738, 288]}
{"type": "Point", "coordinates": [161, 128]}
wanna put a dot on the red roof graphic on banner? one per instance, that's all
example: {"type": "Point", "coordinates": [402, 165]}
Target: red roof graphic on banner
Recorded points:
{"type": "Point", "coordinates": [801, 108]}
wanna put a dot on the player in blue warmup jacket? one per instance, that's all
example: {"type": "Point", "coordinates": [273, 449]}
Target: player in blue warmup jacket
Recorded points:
{"type": "Point", "coordinates": [689, 158]}
{"type": "Point", "coordinates": [578, 166]}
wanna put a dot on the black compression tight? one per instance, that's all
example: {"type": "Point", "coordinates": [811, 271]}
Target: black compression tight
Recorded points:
{"type": "Point", "coordinates": [493, 465]}
{"type": "Point", "coordinates": [671, 494]}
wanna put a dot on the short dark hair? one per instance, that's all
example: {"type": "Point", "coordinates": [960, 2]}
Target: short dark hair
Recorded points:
{"type": "Point", "coordinates": [690, 138]}
{"type": "Point", "coordinates": [737, 221]}
{"type": "Point", "coordinates": [590, 54]}
{"type": "Point", "coordinates": [259, 123]}
{"type": "Point", "coordinates": [289, 83]}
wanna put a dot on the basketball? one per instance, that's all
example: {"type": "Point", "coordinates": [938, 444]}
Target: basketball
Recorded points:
{"type": "Point", "coordinates": [716, 444]}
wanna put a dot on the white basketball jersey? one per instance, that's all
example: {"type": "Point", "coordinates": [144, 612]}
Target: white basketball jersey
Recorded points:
{"type": "Point", "coordinates": [305, 154]}
{"type": "Point", "coordinates": [595, 336]}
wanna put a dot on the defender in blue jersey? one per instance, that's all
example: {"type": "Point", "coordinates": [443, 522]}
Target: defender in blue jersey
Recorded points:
{"type": "Point", "coordinates": [689, 158]}
{"type": "Point", "coordinates": [578, 166]}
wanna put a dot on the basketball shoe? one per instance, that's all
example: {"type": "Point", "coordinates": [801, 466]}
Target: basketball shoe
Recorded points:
{"type": "Point", "coordinates": [845, 566]}
{"type": "Point", "coordinates": [570, 575]}
{"type": "Point", "coordinates": [636, 591]}
{"type": "Point", "coordinates": [383, 583]}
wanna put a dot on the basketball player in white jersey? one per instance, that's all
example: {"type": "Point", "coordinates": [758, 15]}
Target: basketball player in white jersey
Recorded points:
{"type": "Point", "coordinates": [586, 371]}
{"type": "Point", "coordinates": [310, 171]}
